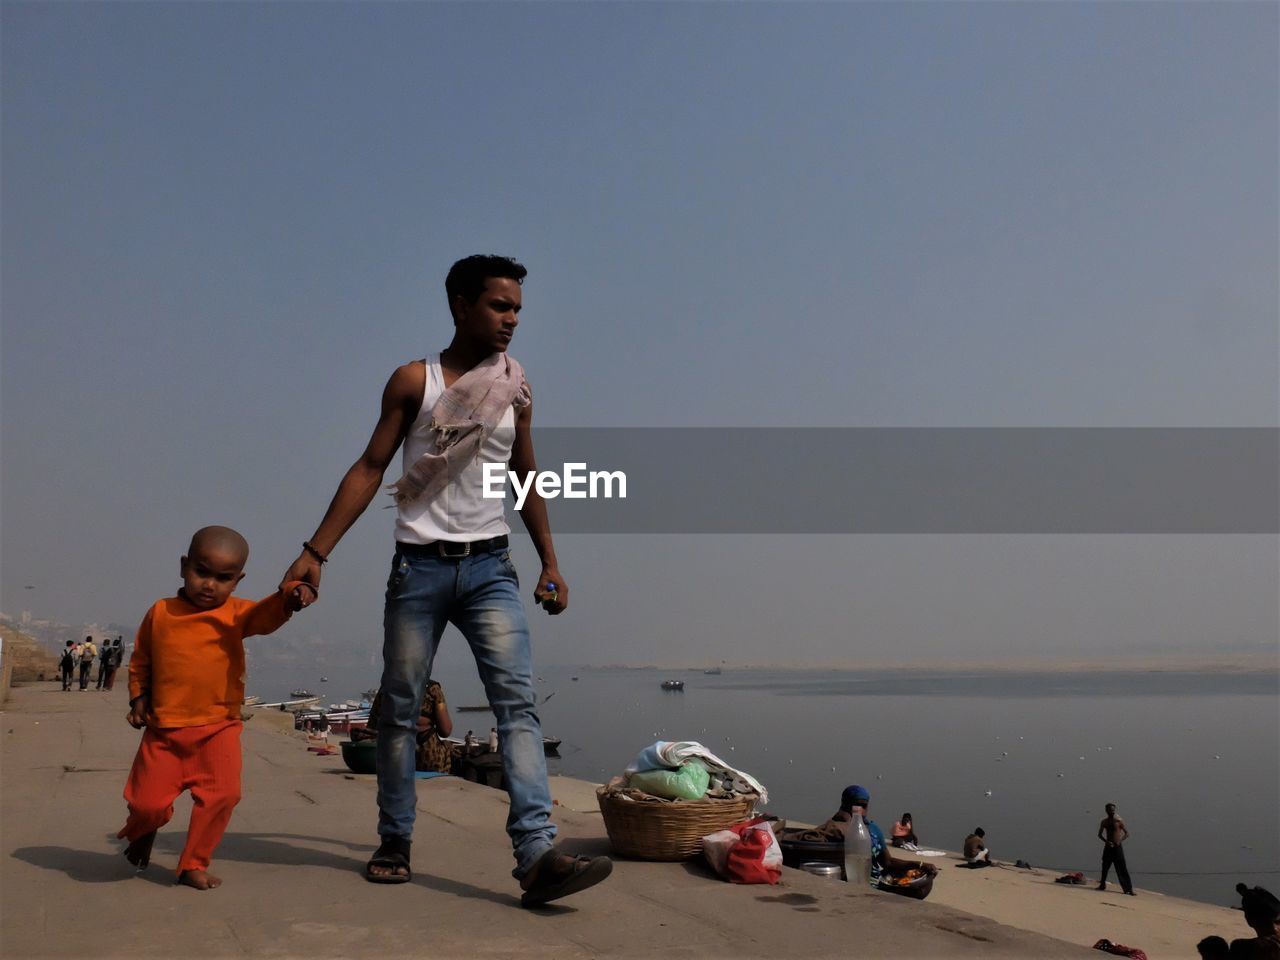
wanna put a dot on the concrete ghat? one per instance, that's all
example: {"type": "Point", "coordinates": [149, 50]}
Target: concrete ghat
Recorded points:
{"type": "Point", "coordinates": [292, 857]}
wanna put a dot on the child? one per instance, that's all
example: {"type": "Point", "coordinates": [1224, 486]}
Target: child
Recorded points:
{"type": "Point", "coordinates": [186, 686]}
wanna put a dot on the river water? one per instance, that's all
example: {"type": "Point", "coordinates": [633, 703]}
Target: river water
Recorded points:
{"type": "Point", "coordinates": [1192, 760]}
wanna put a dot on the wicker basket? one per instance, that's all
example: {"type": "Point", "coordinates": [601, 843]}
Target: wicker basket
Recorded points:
{"type": "Point", "coordinates": [667, 829]}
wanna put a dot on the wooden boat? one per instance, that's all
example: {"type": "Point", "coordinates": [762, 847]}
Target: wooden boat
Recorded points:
{"type": "Point", "coordinates": [672, 684]}
{"type": "Point", "coordinates": [550, 746]}
{"type": "Point", "coordinates": [290, 704]}
{"type": "Point", "coordinates": [479, 708]}
{"type": "Point", "coordinates": [340, 721]}
{"type": "Point", "coordinates": [346, 725]}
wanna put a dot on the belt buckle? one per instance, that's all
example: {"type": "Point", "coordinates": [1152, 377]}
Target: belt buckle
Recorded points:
{"type": "Point", "coordinates": [443, 547]}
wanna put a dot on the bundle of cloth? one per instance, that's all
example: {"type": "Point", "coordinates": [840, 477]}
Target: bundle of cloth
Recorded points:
{"type": "Point", "coordinates": [676, 755]}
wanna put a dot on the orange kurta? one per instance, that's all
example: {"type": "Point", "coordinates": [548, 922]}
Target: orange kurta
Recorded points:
{"type": "Point", "coordinates": [190, 662]}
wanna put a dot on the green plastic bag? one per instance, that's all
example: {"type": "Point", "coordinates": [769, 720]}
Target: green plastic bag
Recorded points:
{"type": "Point", "coordinates": [686, 782]}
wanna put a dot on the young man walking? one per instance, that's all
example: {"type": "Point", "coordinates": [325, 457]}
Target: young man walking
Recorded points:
{"type": "Point", "coordinates": [453, 412]}
{"type": "Point", "coordinates": [88, 652]}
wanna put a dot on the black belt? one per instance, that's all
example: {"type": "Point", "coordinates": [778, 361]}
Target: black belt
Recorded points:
{"type": "Point", "coordinates": [449, 550]}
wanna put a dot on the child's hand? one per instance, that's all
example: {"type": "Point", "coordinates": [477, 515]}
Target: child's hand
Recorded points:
{"type": "Point", "coordinates": [302, 595]}
{"type": "Point", "coordinates": [138, 713]}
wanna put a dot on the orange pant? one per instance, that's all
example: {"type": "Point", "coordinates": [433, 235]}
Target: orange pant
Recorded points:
{"type": "Point", "coordinates": [204, 760]}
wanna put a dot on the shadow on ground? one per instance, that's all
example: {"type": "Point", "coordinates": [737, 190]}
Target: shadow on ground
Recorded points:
{"type": "Point", "coordinates": [86, 866]}
{"type": "Point", "coordinates": [283, 849]}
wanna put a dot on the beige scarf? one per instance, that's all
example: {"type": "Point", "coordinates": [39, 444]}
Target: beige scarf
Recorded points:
{"type": "Point", "coordinates": [461, 419]}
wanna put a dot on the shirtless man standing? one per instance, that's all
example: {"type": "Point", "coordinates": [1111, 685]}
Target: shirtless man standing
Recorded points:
{"type": "Point", "coordinates": [1112, 832]}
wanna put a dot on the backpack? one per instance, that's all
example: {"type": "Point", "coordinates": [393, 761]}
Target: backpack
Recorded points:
{"type": "Point", "coordinates": [86, 655]}
{"type": "Point", "coordinates": [67, 659]}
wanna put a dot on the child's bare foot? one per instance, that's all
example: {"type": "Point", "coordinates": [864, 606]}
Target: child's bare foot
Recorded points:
{"type": "Point", "coordinates": [200, 879]}
{"type": "Point", "coordinates": [139, 851]}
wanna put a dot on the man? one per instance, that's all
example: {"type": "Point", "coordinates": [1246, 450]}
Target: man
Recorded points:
{"type": "Point", "coordinates": [976, 853]}
{"type": "Point", "coordinates": [104, 661]}
{"type": "Point", "coordinates": [1262, 914]}
{"type": "Point", "coordinates": [67, 663]}
{"type": "Point", "coordinates": [1112, 832]}
{"type": "Point", "coordinates": [854, 802]}
{"type": "Point", "coordinates": [87, 654]}
{"type": "Point", "coordinates": [454, 412]}
{"type": "Point", "coordinates": [117, 658]}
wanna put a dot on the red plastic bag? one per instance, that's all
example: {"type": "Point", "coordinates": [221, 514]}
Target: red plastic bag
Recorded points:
{"type": "Point", "coordinates": [1119, 950]}
{"type": "Point", "coordinates": [745, 853]}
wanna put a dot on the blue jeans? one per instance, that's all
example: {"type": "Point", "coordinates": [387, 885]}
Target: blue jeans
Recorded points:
{"type": "Point", "coordinates": [480, 595]}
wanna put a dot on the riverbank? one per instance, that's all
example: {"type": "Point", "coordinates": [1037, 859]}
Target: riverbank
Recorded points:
{"type": "Point", "coordinates": [1214, 662]}
{"type": "Point", "coordinates": [292, 856]}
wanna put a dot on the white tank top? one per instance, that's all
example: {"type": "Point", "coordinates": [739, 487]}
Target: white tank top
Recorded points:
{"type": "Point", "coordinates": [459, 513]}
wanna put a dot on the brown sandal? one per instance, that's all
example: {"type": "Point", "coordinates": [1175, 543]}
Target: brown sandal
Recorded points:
{"type": "Point", "coordinates": [392, 854]}
{"type": "Point", "coordinates": [551, 882]}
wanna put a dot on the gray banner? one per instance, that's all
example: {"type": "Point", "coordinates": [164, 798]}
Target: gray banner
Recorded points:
{"type": "Point", "coordinates": [918, 480]}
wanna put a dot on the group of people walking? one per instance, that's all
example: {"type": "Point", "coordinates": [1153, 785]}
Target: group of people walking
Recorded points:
{"type": "Point", "coordinates": [80, 656]}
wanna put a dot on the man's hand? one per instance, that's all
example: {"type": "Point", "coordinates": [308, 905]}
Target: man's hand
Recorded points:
{"type": "Point", "coordinates": [307, 570]}
{"type": "Point", "coordinates": [138, 713]}
{"type": "Point", "coordinates": [302, 595]}
{"type": "Point", "coordinates": [549, 576]}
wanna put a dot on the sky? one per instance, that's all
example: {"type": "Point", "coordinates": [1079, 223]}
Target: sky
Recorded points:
{"type": "Point", "coordinates": [222, 226]}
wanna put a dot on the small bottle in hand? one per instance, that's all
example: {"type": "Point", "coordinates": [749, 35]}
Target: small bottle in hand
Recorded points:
{"type": "Point", "coordinates": [550, 597]}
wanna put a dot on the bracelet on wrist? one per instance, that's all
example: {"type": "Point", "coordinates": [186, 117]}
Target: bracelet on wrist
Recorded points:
{"type": "Point", "coordinates": [306, 545]}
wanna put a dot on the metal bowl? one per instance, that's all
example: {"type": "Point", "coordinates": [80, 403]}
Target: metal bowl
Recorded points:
{"type": "Point", "coordinates": [832, 871]}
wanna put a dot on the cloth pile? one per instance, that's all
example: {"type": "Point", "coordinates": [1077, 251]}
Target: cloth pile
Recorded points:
{"type": "Point", "coordinates": [691, 758]}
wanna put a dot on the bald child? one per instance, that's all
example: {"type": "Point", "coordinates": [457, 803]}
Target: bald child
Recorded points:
{"type": "Point", "coordinates": [186, 687]}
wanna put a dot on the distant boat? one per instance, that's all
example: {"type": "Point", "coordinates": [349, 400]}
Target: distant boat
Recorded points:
{"type": "Point", "coordinates": [574, 679]}
{"type": "Point", "coordinates": [672, 684]}
{"type": "Point", "coordinates": [713, 672]}
{"type": "Point", "coordinates": [324, 679]}
{"type": "Point", "coordinates": [300, 693]}
{"type": "Point", "coordinates": [252, 701]}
